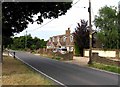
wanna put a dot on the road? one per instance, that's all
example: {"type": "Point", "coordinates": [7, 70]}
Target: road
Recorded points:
{"type": "Point", "coordinates": [67, 74]}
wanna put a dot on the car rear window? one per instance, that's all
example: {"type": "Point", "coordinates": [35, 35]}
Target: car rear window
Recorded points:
{"type": "Point", "coordinates": [64, 49]}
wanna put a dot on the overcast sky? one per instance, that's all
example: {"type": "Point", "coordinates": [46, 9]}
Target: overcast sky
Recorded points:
{"type": "Point", "coordinates": [70, 20]}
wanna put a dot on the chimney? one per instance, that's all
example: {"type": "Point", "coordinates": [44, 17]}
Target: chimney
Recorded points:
{"type": "Point", "coordinates": [68, 32]}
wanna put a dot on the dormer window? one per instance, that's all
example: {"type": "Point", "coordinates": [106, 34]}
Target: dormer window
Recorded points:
{"type": "Point", "coordinates": [49, 40]}
{"type": "Point", "coordinates": [58, 39]}
{"type": "Point", "coordinates": [71, 38]}
{"type": "Point", "coordinates": [53, 39]}
{"type": "Point", "coordinates": [64, 38]}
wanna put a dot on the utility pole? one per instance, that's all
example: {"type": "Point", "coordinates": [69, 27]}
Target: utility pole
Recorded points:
{"type": "Point", "coordinates": [90, 34]}
{"type": "Point", "coordinates": [26, 40]}
{"type": "Point", "coordinates": [1, 45]}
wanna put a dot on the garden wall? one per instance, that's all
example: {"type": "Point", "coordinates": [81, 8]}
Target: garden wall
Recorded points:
{"type": "Point", "coordinates": [104, 53]}
{"type": "Point", "coordinates": [48, 52]}
{"type": "Point", "coordinates": [104, 60]}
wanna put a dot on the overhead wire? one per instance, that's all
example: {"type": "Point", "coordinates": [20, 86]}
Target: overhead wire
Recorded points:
{"type": "Point", "coordinates": [52, 19]}
{"type": "Point", "coordinates": [76, 2]}
{"type": "Point", "coordinates": [42, 25]}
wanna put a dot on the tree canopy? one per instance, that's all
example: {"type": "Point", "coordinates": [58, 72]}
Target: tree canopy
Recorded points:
{"type": "Point", "coordinates": [17, 15]}
{"type": "Point", "coordinates": [27, 42]}
{"type": "Point", "coordinates": [107, 23]}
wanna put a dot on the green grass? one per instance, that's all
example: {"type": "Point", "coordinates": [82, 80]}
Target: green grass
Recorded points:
{"type": "Point", "coordinates": [16, 73]}
{"type": "Point", "coordinates": [110, 68]}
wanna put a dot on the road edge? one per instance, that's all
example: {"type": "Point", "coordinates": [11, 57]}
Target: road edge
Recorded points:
{"type": "Point", "coordinates": [41, 72]}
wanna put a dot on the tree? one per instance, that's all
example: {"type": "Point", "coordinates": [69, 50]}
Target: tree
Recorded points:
{"type": "Point", "coordinates": [17, 15]}
{"type": "Point", "coordinates": [106, 22]}
{"type": "Point", "coordinates": [119, 27]}
{"type": "Point", "coordinates": [39, 43]}
{"type": "Point", "coordinates": [18, 43]}
{"type": "Point", "coordinates": [81, 37]}
{"type": "Point", "coordinates": [28, 42]}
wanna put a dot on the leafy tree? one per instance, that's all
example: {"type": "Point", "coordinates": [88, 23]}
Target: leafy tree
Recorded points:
{"type": "Point", "coordinates": [28, 42]}
{"type": "Point", "coordinates": [32, 47]}
{"type": "Point", "coordinates": [17, 15]}
{"type": "Point", "coordinates": [38, 43]}
{"type": "Point", "coordinates": [43, 43]}
{"type": "Point", "coordinates": [106, 22]}
{"type": "Point", "coordinates": [119, 28]}
{"type": "Point", "coordinates": [18, 42]}
{"type": "Point", "coordinates": [5, 40]}
{"type": "Point", "coordinates": [81, 37]}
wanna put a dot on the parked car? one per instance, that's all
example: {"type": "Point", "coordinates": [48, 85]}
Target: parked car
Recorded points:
{"type": "Point", "coordinates": [63, 50]}
{"type": "Point", "coordinates": [60, 50]}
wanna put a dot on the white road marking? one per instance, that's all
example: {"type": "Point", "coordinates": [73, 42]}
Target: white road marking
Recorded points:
{"type": "Point", "coordinates": [42, 72]}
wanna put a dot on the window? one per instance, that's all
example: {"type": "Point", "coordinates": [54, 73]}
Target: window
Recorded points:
{"type": "Point", "coordinates": [49, 40]}
{"type": "Point", "coordinates": [64, 38]}
{"type": "Point", "coordinates": [53, 39]}
{"type": "Point", "coordinates": [71, 38]}
{"type": "Point", "coordinates": [58, 39]}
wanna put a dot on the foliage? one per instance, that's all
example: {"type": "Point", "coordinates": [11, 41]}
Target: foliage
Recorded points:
{"type": "Point", "coordinates": [23, 42]}
{"type": "Point", "coordinates": [17, 15]}
{"type": "Point", "coordinates": [119, 28]}
{"type": "Point", "coordinates": [107, 24]}
{"type": "Point", "coordinates": [111, 68]}
{"type": "Point", "coordinates": [6, 41]}
{"type": "Point", "coordinates": [81, 37]}
{"type": "Point", "coordinates": [77, 52]}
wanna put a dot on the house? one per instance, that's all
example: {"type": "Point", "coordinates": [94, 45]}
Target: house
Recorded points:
{"type": "Point", "coordinates": [61, 41]}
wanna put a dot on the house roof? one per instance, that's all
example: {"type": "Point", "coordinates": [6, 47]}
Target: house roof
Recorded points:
{"type": "Point", "coordinates": [63, 43]}
{"type": "Point", "coordinates": [59, 36]}
{"type": "Point", "coordinates": [55, 43]}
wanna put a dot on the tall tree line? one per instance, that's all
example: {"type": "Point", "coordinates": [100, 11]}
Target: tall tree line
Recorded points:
{"type": "Point", "coordinates": [27, 42]}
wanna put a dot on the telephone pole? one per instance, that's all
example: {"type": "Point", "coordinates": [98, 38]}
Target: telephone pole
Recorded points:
{"type": "Point", "coordinates": [26, 40]}
{"type": "Point", "coordinates": [90, 34]}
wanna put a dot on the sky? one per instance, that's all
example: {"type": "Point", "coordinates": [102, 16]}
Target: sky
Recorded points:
{"type": "Point", "coordinates": [54, 27]}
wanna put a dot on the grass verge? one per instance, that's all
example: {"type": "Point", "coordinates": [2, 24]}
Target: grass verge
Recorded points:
{"type": "Point", "coordinates": [110, 68]}
{"type": "Point", "coordinates": [16, 73]}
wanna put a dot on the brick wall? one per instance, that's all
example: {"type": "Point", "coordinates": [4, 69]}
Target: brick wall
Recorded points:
{"type": "Point", "coordinates": [67, 56]}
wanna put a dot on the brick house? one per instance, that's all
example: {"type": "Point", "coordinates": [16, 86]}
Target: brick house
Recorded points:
{"type": "Point", "coordinates": [62, 41]}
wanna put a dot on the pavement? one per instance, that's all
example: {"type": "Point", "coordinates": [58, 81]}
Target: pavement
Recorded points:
{"type": "Point", "coordinates": [83, 61]}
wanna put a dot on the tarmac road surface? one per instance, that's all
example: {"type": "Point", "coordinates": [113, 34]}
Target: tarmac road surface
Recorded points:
{"type": "Point", "coordinates": [67, 74]}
